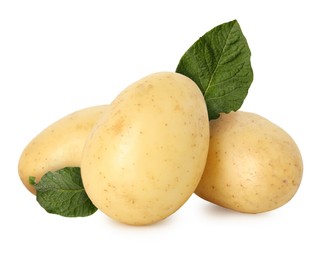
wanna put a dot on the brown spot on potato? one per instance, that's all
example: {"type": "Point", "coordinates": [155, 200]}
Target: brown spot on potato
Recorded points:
{"type": "Point", "coordinates": [177, 108]}
{"type": "Point", "coordinates": [118, 127]}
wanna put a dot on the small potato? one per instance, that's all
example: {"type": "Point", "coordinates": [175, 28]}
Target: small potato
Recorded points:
{"type": "Point", "coordinates": [253, 165]}
{"type": "Point", "coordinates": [146, 159]}
{"type": "Point", "coordinates": [59, 145]}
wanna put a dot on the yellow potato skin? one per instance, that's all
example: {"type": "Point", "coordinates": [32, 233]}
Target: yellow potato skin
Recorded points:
{"type": "Point", "coordinates": [145, 160]}
{"type": "Point", "coordinates": [253, 165]}
{"type": "Point", "coordinates": [59, 145]}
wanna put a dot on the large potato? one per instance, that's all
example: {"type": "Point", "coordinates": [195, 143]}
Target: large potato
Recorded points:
{"type": "Point", "coordinates": [253, 165]}
{"type": "Point", "coordinates": [59, 145]}
{"type": "Point", "coordinates": [145, 160]}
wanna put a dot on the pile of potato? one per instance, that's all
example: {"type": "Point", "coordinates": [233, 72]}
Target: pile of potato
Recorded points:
{"type": "Point", "coordinates": [146, 153]}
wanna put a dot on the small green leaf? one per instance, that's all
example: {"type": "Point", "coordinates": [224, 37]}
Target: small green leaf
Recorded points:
{"type": "Point", "coordinates": [32, 180]}
{"type": "Point", "coordinates": [219, 63]}
{"type": "Point", "coordinates": [62, 192]}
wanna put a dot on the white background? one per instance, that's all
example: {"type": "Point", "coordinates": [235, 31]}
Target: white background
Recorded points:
{"type": "Point", "coordinates": [59, 56]}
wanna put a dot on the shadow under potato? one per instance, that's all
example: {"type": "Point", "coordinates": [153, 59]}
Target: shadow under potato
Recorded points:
{"type": "Point", "coordinates": [220, 211]}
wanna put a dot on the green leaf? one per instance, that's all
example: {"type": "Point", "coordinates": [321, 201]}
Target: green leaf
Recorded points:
{"type": "Point", "coordinates": [219, 63]}
{"type": "Point", "coordinates": [62, 192]}
{"type": "Point", "coordinates": [32, 180]}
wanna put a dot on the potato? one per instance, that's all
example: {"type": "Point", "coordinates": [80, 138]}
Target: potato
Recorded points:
{"type": "Point", "coordinates": [59, 145]}
{"type": "Point", "coordinates": [145, 160]}
{"type": "Point", "coordinates": [253, 165]}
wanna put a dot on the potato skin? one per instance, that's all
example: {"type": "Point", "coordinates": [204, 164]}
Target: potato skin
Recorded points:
{"type": "Point", "coordinates": [253, 165]}
{"type": "Point", "coordinates": [145, 160]}
{"type": "Point", "coordinates": [59, 145]}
